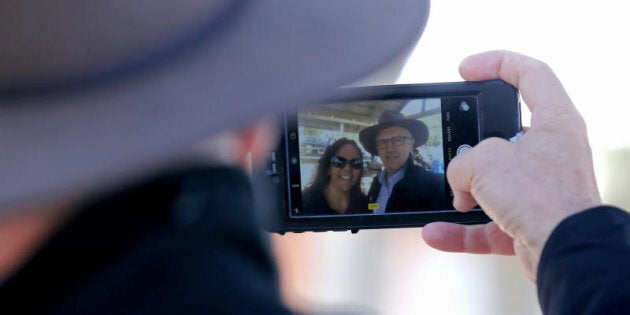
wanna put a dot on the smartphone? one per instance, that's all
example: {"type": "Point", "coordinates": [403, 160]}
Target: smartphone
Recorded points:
{"type": "Point", "coordinates": [375, 157]}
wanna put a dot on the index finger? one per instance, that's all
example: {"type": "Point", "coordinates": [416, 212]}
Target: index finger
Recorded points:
{"type": "Point", "coordinates": [540, 88]}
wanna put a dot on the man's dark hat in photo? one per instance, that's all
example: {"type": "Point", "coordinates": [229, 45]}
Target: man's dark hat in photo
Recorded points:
{"type": "Point", "coordinates": [96, 92]}
{"type": "Point", "coordinates": [389, 118]}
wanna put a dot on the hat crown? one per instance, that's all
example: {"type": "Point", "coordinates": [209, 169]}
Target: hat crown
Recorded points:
{"type": "Point", "coordinates": [390, 116]}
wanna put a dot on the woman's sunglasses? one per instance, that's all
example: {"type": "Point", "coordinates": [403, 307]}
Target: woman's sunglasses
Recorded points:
{"type": "Point", "coordinates": [340, 162]}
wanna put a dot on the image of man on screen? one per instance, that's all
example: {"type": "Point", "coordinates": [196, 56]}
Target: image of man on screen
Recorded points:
{"type": "Point", "coordinates": [401, 185]}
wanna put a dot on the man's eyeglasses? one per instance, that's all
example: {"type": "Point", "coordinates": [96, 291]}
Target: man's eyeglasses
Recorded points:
{"type": "Point", "coordinates": [395, 141]}
{"type": "Point", "coordinates": [340, 162]}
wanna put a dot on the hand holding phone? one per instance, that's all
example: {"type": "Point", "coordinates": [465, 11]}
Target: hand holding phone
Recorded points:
{"type": "Point", "coordinates": [550, 169]}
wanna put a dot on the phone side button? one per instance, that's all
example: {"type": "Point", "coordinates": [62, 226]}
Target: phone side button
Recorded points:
{"type": "Point", "coordinates": [517, 136]}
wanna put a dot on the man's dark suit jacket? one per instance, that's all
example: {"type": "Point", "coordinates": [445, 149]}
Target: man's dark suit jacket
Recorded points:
{"type": "Point", "coordinates": [182, 243]}
{"type": "Point", "coordinates": [418, 190]}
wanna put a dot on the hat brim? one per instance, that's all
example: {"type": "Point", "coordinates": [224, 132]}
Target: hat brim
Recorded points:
{"type": "Point", "coordinates": [276, 54]}
{"type": "Point", "coordinates": [419, 131]}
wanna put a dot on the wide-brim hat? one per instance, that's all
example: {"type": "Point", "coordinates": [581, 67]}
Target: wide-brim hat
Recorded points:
{"type": "Point", "coordinates": [95, 92]}
{"type": "Point", "coordinates": [389, 118]}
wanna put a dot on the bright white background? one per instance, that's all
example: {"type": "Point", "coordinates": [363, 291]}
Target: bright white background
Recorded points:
{"type": "Point", "coordinates": [585, 42]}
{"type": "Point", "coordinates": [393, 271]}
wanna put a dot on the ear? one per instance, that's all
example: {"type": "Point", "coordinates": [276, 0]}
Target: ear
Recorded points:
{"type": "Point", "coordinates": [256, 141]}
{"type": "Point", "coordinates": [245, 147]}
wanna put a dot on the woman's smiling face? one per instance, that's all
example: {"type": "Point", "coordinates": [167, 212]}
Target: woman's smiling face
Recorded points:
{"type": "Point", "coordinates": [346, 177]}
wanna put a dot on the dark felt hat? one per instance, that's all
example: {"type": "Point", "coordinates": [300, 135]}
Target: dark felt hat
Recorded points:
{"type": "Point", "coordinates": [96, 92]}
{"type": "Point", "coordinates": [389, 118]}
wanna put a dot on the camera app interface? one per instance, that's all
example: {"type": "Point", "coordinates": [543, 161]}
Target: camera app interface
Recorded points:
{"type": "Point", "coordinates": [378, 156]}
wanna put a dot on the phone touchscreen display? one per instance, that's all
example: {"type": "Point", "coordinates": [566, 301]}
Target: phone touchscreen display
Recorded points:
{"type": "Point", "coordinates": [375, 157]}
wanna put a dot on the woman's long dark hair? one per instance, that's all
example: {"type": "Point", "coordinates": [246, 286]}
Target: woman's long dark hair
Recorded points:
{"type": "Point", "coordinates": [321, 176]}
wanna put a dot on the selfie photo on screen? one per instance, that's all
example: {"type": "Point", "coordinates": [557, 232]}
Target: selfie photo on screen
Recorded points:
{"type": "Point", "coordinates": [371, 157]}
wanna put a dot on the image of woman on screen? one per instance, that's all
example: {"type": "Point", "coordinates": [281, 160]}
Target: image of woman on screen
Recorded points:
{"type": "Point", "coordinates": [336, 188]}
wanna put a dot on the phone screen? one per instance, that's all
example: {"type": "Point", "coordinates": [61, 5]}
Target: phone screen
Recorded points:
{"type": "Point", "coordinates": [376, 157]}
